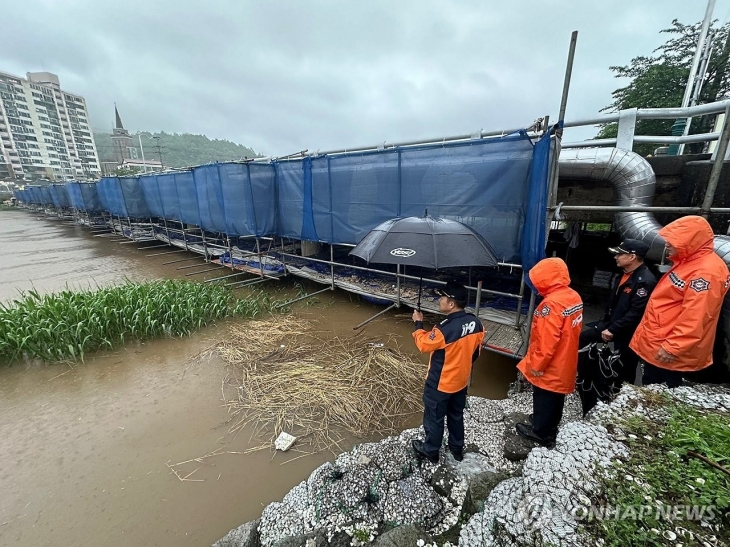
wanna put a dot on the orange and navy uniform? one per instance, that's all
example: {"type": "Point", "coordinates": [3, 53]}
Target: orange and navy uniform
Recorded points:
{"type": "Point", "coordinates": [454, 345]}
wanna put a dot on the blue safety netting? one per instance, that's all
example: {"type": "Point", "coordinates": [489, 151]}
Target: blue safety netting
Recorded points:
{"type": "Point", "coordinates": [122, 196]}
{"type": "Point", "coordinates": [210, 198]}
{"type": "Point", "coordinates": [46, 196]}
{"type": "Point", "coordinates": [483, 183]}
{"type": "Point", "coordinates": [187, 198]}
{"type": "Point", "coordinates": [59, 195]}
{"type": "Point", "coordinates": [237, 199]}
{"type": "Point", "coordinates": [496, 186]}
{"type": "Point", "coordinates": [151, 193]}
{"type": "Point", "coordinates": [84, 196]}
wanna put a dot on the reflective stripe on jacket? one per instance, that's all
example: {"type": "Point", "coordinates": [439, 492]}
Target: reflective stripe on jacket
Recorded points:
{"type": "Point", "coordinates": [556, 326]}
{"type": "Point", "coordinates": [454, 345]}
{"type": "Point", "coordinates": [682, 313]}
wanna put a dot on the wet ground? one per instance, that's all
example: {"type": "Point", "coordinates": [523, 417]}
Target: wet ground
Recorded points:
{"type": "Point", "coordinates": [84, 451]}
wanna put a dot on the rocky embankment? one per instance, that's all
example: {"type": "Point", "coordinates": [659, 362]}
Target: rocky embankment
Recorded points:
{"type": "Point", "coordinates": [504, 492]}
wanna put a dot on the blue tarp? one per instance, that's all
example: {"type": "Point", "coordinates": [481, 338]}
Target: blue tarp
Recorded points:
{"type": "Point", "coordinates": [210, 198]}
{"type": "Point", "coordinates": [122, 196]}
{"type": "Point", "coordinates": [484, 184]}
{"type": "Point", "coordinates": [237, 199]}
{"type": "Point", "coordinates": [151, 193]}
{"type": "Point", "coordinates": [84, 196]}
{"type": "Point", "coordinates": [187, 198]}
{"type": "Point", "coordinates": [59, 195]}
{"type": "Point", "coordinates": [496, 186]}
{"type": "Point", "coordinates": [46, 195]}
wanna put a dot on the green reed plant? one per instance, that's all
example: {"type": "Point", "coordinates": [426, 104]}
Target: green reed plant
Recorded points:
{"type": "Point", "coordinates": [69, 324]}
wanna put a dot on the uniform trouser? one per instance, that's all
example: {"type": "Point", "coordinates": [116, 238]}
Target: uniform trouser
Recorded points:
{"type": "Point", "coordinates": [658, 375]}
{"type": "Point", "coordinates": [438, 405]}
{"type": "Point", "coordinates": [547, 411]}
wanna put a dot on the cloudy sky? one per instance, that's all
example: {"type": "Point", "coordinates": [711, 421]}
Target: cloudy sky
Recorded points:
{"type": "Point", "coordinates": [283, 76]}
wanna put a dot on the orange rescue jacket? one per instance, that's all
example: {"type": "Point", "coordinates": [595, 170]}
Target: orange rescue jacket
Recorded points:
{"type": "Point", "coordinates": [684, 308]}
{"type": "Point", "coordinates": [556, 326]}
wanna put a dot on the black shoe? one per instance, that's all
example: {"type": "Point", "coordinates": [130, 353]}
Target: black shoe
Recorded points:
{"type": "Point", "coordinates": [526, 432]}
{"type": "Point", "coordinates": [457, 454]}
{"type": "Point", "coordinates": [421, 452]}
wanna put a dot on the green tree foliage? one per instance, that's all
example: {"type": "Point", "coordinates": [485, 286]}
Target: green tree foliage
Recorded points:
{"type": "Point", "coordinates": [178, 150]}
{"type": "Point", "coordinates": [125, 171]}
{"type": "Point", "coordinates": [658, 81]}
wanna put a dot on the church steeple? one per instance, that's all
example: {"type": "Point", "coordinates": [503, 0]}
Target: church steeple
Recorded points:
{"type": "Point", "coordinates": [119, 120]}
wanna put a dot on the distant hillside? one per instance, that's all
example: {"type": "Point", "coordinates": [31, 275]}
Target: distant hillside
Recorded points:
{"type": "Point", "coordinates": [178, 150]}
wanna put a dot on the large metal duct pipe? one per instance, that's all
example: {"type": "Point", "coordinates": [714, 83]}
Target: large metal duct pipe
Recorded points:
{"type": "Point", "coordinates": [633, 180]}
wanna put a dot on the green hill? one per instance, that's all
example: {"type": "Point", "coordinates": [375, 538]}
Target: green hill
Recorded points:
{"type": "Point", "coordinates": [178, 150]}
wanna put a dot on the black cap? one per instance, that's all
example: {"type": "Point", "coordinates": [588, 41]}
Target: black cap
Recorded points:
{"type": "Point", "coordinates": [454, 290]}
{"type": "Point", "coordinates": [631, 246]}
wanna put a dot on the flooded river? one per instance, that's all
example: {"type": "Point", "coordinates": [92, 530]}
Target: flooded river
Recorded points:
{"type": "Point", "coordinates": [84, 450]}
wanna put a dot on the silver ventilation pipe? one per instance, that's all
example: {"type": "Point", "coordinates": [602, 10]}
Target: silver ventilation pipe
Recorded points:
{"type": "Point", "coordinates": [634, 182]}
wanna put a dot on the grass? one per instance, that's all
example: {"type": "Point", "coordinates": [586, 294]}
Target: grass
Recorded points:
{"type": "Point", "coordinates": [296, 376]}
{"type": "Point", "coordinates": [69, 324]}
{"type": "Point", "coordinates": [682, 462]}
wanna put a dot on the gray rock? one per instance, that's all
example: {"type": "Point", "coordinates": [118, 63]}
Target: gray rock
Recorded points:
{"type": "Point", "coordinates": [315, 539]}
{"type": "Point", "coordinates": [412, 500]}
{"type": "Point", "coordinates": [402, 536]}
{"type": "Point", "coordinates": [246, 535]}
{"type": "Point", "coordinates": [513, 418]}
{"type": "Point", "coordinates": [515, 447]}
{"type": "Point", "coordinates": [480, 486]}
{"type": "Point", "coordinates": [443, 480]}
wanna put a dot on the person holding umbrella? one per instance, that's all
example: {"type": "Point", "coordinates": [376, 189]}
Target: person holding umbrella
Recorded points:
{"type": "Point", "coordinates": [551, 362]}
{"type": "Point", "coordinates": [454, 345]}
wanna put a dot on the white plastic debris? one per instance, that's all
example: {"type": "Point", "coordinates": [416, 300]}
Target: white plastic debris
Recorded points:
{"type": "Point", "coordinates": [284, 441]}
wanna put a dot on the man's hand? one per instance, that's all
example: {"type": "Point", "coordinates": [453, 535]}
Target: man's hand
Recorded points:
{"type": "Point", "coordinates": [607, 335]}
{"type": "Point", "coordinates": [664, 356]}
{"type": "Point", "coordinates": [417, 316]}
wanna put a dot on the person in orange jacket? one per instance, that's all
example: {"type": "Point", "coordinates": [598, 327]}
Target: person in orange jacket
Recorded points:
{"type": "Point", "coordinates": [552, 357]}
{"type": "Point", "coordinates": [454, 345]}
{"type": "Point", "coordinates": [677, 332]}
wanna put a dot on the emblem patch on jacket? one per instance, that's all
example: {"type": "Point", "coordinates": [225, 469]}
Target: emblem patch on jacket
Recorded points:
{"type": "Point", "coordinates": [699, 284]}
{"type": "Point", "coordinates": [432, 335]}
{"type": "Point", "coordinates": [727, 282]}
{"type": "Point", "coordinates": [641, 292]}
{"type": "Point", "coordinates": [545, 310]}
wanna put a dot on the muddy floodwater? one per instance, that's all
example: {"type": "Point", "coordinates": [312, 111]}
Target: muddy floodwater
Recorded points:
{"type": "Point", "coordinates": [84, 451]}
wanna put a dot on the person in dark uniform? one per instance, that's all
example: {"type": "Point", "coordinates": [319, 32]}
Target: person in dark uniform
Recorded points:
{"type": "Point", "coordinates": [454, 345]}
{"type": "Point", "coordinates": [629, 296]}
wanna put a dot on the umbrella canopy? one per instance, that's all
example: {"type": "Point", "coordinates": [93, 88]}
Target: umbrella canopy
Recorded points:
{"type": "Point", "coordinates": [429, 242]}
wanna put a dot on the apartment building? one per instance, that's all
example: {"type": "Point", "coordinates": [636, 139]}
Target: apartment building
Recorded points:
{"type": "Point", "coordinates": [44, 131]}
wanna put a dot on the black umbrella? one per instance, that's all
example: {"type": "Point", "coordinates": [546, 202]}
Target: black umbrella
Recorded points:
{"type": "Point", "coordinates": [429, 242]}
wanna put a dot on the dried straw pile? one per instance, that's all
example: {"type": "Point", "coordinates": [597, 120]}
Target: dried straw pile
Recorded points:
{"type": "Point", "coordinates": [290, 377]}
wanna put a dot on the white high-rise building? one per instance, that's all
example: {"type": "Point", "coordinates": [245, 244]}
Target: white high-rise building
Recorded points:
{"type": "Point", "coordinates": [44, 131]}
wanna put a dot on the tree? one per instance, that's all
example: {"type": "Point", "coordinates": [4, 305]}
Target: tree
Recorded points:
{"type": "Point", "coordinates": [125, 171]}
{"type": "Point", "coordinates": [658, 81]}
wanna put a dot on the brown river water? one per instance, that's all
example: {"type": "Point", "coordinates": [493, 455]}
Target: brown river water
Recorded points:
{"type": "Point", "coordinates": [83, 450]}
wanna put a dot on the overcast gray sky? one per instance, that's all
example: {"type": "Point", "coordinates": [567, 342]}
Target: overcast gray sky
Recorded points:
{"type": "Point", "coordinates": [283, 76]}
